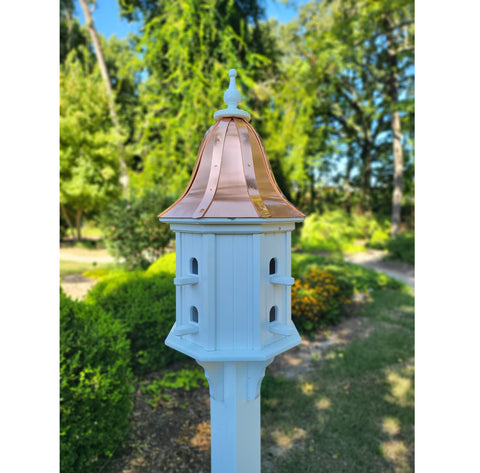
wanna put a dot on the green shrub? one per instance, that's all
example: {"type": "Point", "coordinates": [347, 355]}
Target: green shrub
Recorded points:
{"type": "Point", "coordinates": [145, 304]}
{"type": "Point", "coordinates": [363, 279]}
{"type": "Point", "coordinates": [319, 298]}
{"type": "Point", "coordinates": [96, 386]}
{"type": "Point", "coordinates": [337, 231]}
{"type": "Point", "coordinates": [63, 227]}
{"type": "Point", "coordinates": [378, 239]}
{"type": "Point", "coordinates": [166, 264]}
{"type": "Point", "coordinates": [402, 248]}
{"type": "Point", "coordinates": [132, 231]}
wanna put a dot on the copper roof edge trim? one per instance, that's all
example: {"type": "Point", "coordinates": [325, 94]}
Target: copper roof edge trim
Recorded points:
{"type": "Point", "coordinates": [195, 169]}
{"type": "Point", "coordinates": [231, 220]}
{"type": "Point", "coordinates": [270, 172]}
{"type": "Point", "coordinates": [212, 178]}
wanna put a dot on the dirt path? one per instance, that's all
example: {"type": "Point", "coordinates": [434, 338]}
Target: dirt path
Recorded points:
{"type": "Point", "coordinates": [75, 285]}
{"type": "Point", "coordinates": [374, 259]}
{"type": "Point", "coordinates": [301, 359]}
{"type": "Point", "coordinates": [83, 255]}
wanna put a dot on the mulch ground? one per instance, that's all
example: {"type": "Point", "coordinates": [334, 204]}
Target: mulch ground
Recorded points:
{"type": "Point", "coordinates": [173, 437]}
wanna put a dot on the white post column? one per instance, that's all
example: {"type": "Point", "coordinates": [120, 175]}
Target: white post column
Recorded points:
{"type": "Point", "coordinates": [235, 414]}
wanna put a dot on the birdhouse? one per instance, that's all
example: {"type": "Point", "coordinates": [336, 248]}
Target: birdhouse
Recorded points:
{"type": "Point", "coordinates": [233, 284]}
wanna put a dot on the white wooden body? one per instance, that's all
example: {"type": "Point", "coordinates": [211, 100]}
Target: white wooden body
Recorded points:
{"type": "Point", "coordinates": [234, 308]}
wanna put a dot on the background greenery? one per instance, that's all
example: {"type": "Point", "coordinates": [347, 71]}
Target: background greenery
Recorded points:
{"type": "Point", "coordinates": [331, 94]}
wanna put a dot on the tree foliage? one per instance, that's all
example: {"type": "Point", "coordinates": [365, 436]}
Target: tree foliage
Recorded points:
{"type": "Point", "coordinates": [328, 92]}
{"type": "Point", "coordinates": [89, 170]}
{"type": "Point", "coordinates": [132, 230]}
{"type": "Point", "coordinates": [186, 69]}
{"type": "Point", "coordinates": [332, 101]}
{"type": "Point", "coordinates": [72, 34]}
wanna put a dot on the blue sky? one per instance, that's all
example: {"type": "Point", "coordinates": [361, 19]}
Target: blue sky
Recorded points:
{"type": "Point", "coordinates": [107, 19]}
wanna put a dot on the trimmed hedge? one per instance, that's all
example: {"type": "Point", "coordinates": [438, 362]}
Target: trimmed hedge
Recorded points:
{"type": "Point", "coordinates": [96, 386]}
{"type": "Point", "coordinates": [165, 265]}
{"type": "Point", "coordinates": [144, 301]}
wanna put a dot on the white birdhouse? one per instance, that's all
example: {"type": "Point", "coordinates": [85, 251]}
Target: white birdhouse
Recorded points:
{"type": "Point", "coordinates": [233, 284]}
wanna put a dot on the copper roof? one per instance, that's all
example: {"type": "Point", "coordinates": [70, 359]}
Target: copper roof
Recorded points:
{"type": "Point", "coordinates": [232, 178]}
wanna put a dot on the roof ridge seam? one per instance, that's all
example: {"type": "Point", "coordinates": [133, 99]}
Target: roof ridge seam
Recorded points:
{"type": "Point", "coordinates": [212, 179]}
{"type": "Point", "coordinates": [256, 200]}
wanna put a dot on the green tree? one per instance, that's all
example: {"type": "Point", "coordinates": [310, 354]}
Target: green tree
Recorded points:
{"type": "Point", "coordinates": [132, 230]}
{"type": "Point", "coordinates": [187, 48]}
{"type": "Point", "coordinates": [89, 166]}
{"type": "Point", "coordinates": [72, 34]}
{"type": "Point", "coordinates": [340, 94]}
{"type": "Point", "coordinates": [87, 8]}
{"type": "Point", "coordinates": [123, 66]}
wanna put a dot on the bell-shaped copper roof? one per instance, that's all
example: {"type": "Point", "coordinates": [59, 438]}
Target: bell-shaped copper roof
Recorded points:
{"type": "Point", "coordinates": [232, 177]}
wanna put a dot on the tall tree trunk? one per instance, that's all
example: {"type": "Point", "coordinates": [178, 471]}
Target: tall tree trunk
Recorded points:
{"type": "Point", "coordinates": [392, 63]}
{"type": "Point", "coordinates": [366, 156]}
{"type": "Point", "coordinates": [70, 29]}
{"type": "Point", "coordinates": [311, 178]}
{"type": "Point", "coordinates": [348, 192]}
{"type": "Point", "coordinates": [124, 180]}
{"type": "Point", "coordinates": [67, 218]}
{"type": "Point", "coordinates": [397, 174]}
{"type": "Point", "coordinates": [78, 224]}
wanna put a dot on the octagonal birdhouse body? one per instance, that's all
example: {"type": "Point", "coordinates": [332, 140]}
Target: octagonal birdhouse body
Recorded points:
{"type": "Point", "coordinates": [233, 289]}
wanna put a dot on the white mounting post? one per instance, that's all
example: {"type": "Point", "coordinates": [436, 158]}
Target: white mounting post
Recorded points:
{"type": "Point", "coordinates": [235, 414]}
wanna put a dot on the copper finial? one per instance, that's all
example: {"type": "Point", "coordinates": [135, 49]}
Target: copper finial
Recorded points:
{"type": "Point", "coordinates": [232, 97]}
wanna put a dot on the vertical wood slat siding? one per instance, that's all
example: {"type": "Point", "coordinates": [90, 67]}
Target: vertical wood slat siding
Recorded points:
{"type": "Point", "coordinates": [288, 272]}
{"type": "Point", "coordinates": [234, 294]}
{"type": "Point", "coordinates": [208, 291]}
{"type": "Point", "coordinates": [178, 290]}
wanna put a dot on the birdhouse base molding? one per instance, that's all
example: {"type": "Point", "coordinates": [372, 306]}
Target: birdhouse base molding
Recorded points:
{"type": "Point", "coordinates": [181, 344]}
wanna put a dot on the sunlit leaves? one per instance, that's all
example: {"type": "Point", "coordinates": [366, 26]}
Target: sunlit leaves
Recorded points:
{"type": "Point", "coordinates": [330, 120]}
{"type": "Point", "coordinates": [89, 168]}
{"type": "Point", "coordinates": [187, 49]}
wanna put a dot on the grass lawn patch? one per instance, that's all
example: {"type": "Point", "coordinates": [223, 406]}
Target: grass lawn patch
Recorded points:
{"type": "Point", "coordinates": [355, 411]}
{"type": "Point", "coordinates": [80, 267]}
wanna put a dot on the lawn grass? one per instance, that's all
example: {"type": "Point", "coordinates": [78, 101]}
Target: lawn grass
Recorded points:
{"type": "Point", "coordinates": [80, 267]}
{"type": "Point", "coordinates": [355, 412]}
